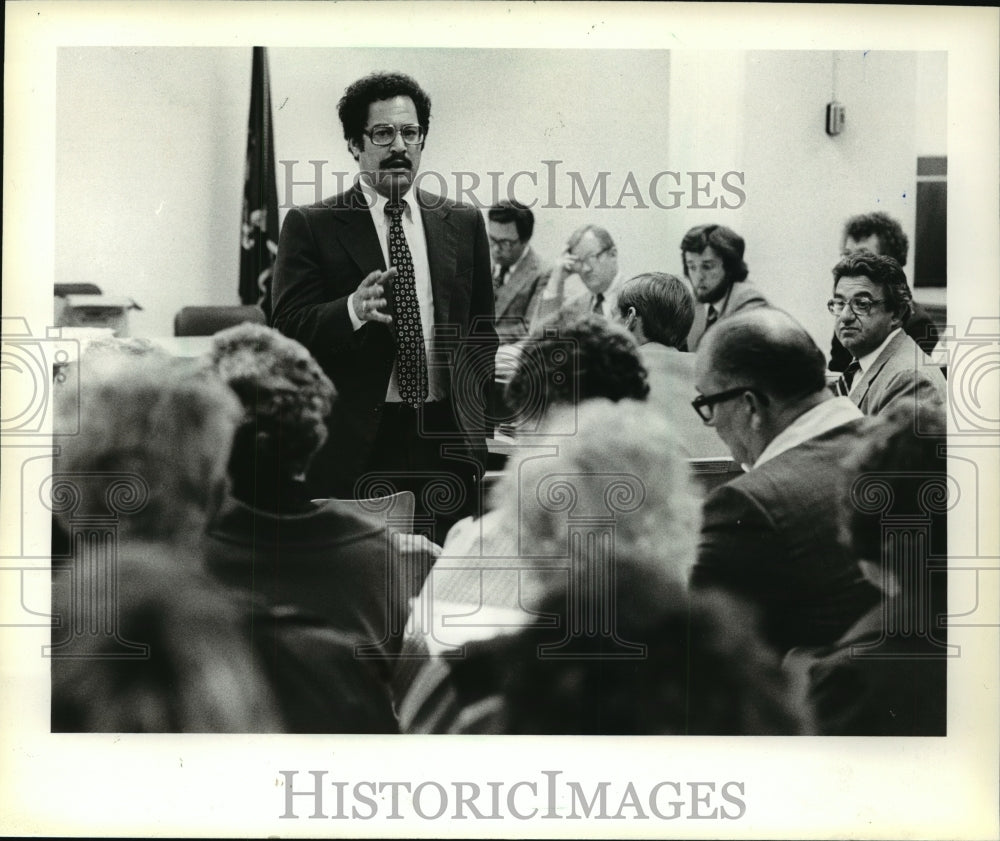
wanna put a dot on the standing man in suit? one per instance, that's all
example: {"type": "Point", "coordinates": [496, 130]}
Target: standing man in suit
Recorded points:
{"type": "Point", "coordinates": [871, 302]}
{"type": "Point", "coordinates": [713, 262]}
{"type": "Point", "coordinates": [519, 275]}
{"type": "Point", "coordinates": [389, 288]}
{"type": "Point", "coordinates": [591, 255]}
{"type": "Point", "coordinates": [881, 234]}
{"type": "Point", "coordinates": [772, 535]}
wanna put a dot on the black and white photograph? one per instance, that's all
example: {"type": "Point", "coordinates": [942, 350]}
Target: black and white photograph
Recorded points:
{"type": "Point", "coordinates": [494, 419]}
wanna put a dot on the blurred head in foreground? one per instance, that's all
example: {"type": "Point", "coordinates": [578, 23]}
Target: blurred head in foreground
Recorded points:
{"type": "Point", "coordinates": [286, 399]}
{"type": "Point", "coordinates": [151, 450]}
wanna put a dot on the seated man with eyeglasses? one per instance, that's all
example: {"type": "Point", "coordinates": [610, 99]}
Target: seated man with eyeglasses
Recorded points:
{"type": "Point", "coordinates": [771, 536]}
{"type": "Point", "coordinates": [592, 256]}
{"type": "Point", "coordinates": [871, 303]}
{"type": "Point", "coordinates": [519, 274]}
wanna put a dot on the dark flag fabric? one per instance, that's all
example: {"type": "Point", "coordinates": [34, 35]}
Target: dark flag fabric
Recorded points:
{"type": "Point", "coordinates": [259, 233]}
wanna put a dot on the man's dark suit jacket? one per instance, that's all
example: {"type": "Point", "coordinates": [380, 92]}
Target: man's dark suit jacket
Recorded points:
{"type": "Point", "coordinates": [919, 326]}
{"type": "Point", "coordinates": [517, 300]}
{"type": "Point", "coordinates": [324, 253]}
{"type": "Point", "coordinates": [771, 536]}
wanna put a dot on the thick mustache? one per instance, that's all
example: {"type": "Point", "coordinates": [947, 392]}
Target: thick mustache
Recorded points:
{"type": "Point", "coordinates": [390, 163]}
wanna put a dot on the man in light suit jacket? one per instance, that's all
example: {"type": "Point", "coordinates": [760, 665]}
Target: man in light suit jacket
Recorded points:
{"type": "Point", "coordinates": [879, 233]}
{"type": "Point", "coordinates": [713, 262]}
{"type": "Point", "coordinates": [519, 274]}
{"type": "Point", "coordinates": [772, 535]}
{"type": "Point", "coordinates": [871, 302]}
{"type": "Point", "coordinates": [409, 348]}
{"type": "Point", "coordinates": [658, 310]}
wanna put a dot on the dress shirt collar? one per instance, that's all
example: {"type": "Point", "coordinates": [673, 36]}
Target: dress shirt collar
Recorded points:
{"type": "Point", "coordinates": [720, 305]}
{"type": "Point", "coordinates": [513, 266]}
{"type": "Point", "coordinates": [376, 201]}
{"type": "Point", "coordinates": [819, 419]}
{"type": "Point", "coordinates": [610, 299]}
{"type": "Point", "coordinates": [866, 361]}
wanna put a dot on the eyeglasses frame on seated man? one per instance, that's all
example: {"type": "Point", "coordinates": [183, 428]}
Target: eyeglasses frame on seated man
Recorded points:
{"type": "Point", "coordinates": [589, 259]}
{"type": "Point", "coordinates": [861, 307]}
{"type": "Point", "coordinates": [707, 402]}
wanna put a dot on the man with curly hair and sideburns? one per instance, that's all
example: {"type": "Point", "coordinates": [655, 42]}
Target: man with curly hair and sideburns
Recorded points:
{"type": "Point", "coordinates": [390, 289]}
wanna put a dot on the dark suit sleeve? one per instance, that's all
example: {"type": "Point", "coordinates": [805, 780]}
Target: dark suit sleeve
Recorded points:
{"type": "Point", "coordinates": [302, 308]}
{"type": "Point", "coordinates": [481, 360]}
{"type": "Point", "coordinates": [738, 546]}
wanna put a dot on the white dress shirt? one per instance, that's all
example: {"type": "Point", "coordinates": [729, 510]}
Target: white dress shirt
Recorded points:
{"type": "Point", "coordinates": [868, 359]}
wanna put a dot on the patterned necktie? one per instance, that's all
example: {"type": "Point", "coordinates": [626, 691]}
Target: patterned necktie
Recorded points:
{"type": "Point", "coordinates": [598, 303]}
{"type": "Point", "coordinates": [847, 378]}
{"type": "Point", "coordinates": [411, 357]}
{"type": "Point", "coordinates": [712, 317]}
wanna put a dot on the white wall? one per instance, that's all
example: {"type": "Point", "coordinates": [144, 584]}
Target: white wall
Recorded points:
{"type": "Point", "coordinates": [149, 175]}
{"type": "Point", "coordinates": [150, 152]}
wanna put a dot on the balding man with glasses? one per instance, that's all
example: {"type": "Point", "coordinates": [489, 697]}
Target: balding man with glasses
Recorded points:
{"type": "Point", "coordinates": [592, 256]}
{"type": "Point", "coordinates": [871, 304]}
{"type": "Point", "coordinates": [771, 536]}
{"type": "Point", "coordinates": [390, 289]}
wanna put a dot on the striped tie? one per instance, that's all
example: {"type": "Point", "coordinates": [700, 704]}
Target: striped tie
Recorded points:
{"type": "Point", "coordinates": [847, 378]}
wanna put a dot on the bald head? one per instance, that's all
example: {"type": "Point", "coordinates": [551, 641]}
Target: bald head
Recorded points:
{"type": "Point", "coordinates": [767, 349]}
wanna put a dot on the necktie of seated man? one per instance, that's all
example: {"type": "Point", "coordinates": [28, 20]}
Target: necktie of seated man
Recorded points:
{"type": "Point", "coordinates": [598, 304]}
{"type": "Point", "coordinates": [711, 317]}
{"type": "Point", "coordinates": [411, 356]}
{"type": "Point", "coordinates": [847, 378]}
{"type": "Point", "coordinates": [501, 277]}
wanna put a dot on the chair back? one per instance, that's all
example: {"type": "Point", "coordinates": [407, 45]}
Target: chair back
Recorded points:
{"type": "Point", "coordinates": [207, 321]}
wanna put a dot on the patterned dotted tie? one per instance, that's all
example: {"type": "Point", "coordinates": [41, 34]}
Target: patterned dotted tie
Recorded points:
{"type": "Point", "coordinates": [411, 357]}
{"type": "Point", "coordinates": [847, 378]}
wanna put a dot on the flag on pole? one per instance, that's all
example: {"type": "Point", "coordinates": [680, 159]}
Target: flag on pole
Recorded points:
{"type": "Point", "coordinates": [259, 231]}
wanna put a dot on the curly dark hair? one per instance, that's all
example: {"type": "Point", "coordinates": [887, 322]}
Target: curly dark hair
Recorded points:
{"type": "Point", "coordinates": [375, 87]}
{"type": "Point", "coordinates": [728, 244]}
{"type": "Point", "coordinates": [882, 271]}
{"type": "Point", "coordinates": [892, 242]}
{"type": "Point", "coordinates": [284, 392]}
{"type": "Point", "coordinates": [571, 358]}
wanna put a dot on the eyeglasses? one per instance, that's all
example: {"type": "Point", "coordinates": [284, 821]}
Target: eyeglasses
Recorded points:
{"type": "Point", "coordinates": [503, 243]}
{"type": "Point", "coordinates": [588, 260]}
{"type": "Point", "coordinates": [384, 135]}
{"type": "Point", "coordinates": [704, 403]}
{"type": "Point", "coordinates": [859, 306]}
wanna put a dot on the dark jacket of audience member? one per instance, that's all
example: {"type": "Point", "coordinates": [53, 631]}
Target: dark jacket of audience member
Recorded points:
{"type": "Point", "coordinates": [771, 535]}
{"type": "Point", "coordinates": [699, 668]}
{"type": "Point", "coordinates": [887, 675]}
{"type": "Point", "coordinates": [334, 560]}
